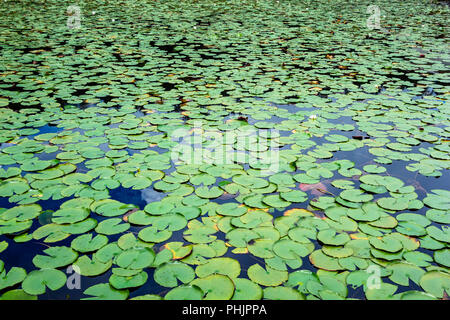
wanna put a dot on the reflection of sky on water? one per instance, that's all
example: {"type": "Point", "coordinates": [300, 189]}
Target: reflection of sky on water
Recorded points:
{"type": "Point", "coordinates": [13, 255]}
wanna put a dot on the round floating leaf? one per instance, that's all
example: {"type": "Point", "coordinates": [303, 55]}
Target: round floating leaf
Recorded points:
{"type": "Point", "coordinates": [438, 199]}
{"type": "Point", "coordinates": [189, 212]}
{"type": "Point", "coordinates": [137, 183]}
{"type": "Point", "coordinates": [442, 257]}
{"type": "Point", "coordinates": [266, 277]}
{"type": "Point", "coordinates": [331, 237]}
{"type": "Point", "coordinates": [185, 292]}
{"type": "Point", "coordinates": [216, 287]}
{"type": "Point", "coordinates": [337, 252]}
{"type": "Point", "coordinates": [91, 153]}
{"type": "Point", "coordinates": [152, 234]}
{"type": "Point", "coordinates": [289, 249]}
{"type": "Point", "coordinates": [104, 291]}
{"type": "Point", "coordinates": [88, 267]}
{"type": "Point", "coordinates": [22, 213]}
{"type": "Point", "coordinates": [140, 217]}
{"type": "Point", "coordinates": [112, 226]}
{"type": "Point", "coordinates": [436, 283]}
{"type": "Point", "coordinates": [299, 279]}
{"type": "Point", "coordinates": [410, 229]}
{"type": "Point", "coordinates": [108, 252]}
{"type": "Point", "coordinates": [255, 201]}
{"type": "Point", "coordinates": [158, 208]}
{"type": "Point", "coordinates": [135, 258]}
{"type": "Point", "coordinates": [111, 208]}
{"type": "Point", "coordinates": [231, 209]}
{"type": "Point", "coordinates": [246, 290]}
{"type": "Point", "coordinates": [282, 293]}
{"type": "Point", "coordinates": [70, 215]}
{"type": "Point", "coordinates": [119, 282]}
{"type": "Point", "coordinates": [294, 196]}
{"type": "Point", "coordinates": [343, 184]}
{"type": "Point", "coordinates": [355, 195]}
{"type": "Point", "coordinates": [403, 272]}
{"type": "Point", "coordinates": [178, 250]}
{"type": "Point", "coordinates": [384, 291]}
{"type": "Point", "coordinates": [240, 237]}
{"type": "Point", "coordinates": [386, 243]}
{"type": "Point", "coordinates": [168, 274]}
{"type": "Point", "coordinates": [323, 261]}
{"type": "Point", "coordinates": [3, 246]}
{"type": "Point", "coordinates": [127, 241]}
{"type": "Point", "coordinates": [417, 258]}
{"type": "Point", "coordinates": [38, 165]}
{"type": "Point", "coordinates": [208, 193]}
{"type": "Point", "coordinates": [85, 243]}
{"type": "Point", "coordinates": [416, 295]}
{"type": "Point", "coordinates": [13, 186]}
{"type": "Point", "coordinates": [11, 278]}
{"type": "Point", "coordinates": [17, 294]}
{"type": "Point", "coordinates": [439, 216]}
{"type": "Point", "coordinates": [147, 297]}
{"type": "Point", "coordinates": [37, 281]}
{"type": "Point", "coordinates": [368, 212]}
{"type": "Point", "coordinates": [276, 201]}
{"type": "Point", "coordinates": [51, 232]}
{"type": "Point", "coordinates": [261, 248]}
{"type": "Point", "coordinates": [442, 235]}
{"type": "Point", "coordinates": [170, 221]}
{"type": "Point", "coordinates": [225, 266]}
{"type": "Point", "coordinates": [396, 204]}
{"type": "Point", "coordinates": [56, 257]}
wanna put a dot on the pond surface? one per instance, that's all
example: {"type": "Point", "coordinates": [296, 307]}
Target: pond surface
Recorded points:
{"type": "Point", "coordinates": [224, 150]}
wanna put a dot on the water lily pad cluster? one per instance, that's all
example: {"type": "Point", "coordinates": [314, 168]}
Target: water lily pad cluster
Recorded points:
{"type": "Point", "coordinates": [93, 182]}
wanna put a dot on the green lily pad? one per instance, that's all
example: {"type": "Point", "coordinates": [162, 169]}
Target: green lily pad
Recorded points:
{"type": "Point", "coordinates": [246, 290]}
{"type": "Point", "coordinates": [215, 287]}
{"type": "Point", "coordinates": [266, 277]}
{"type": "Point", "coordinates": [112, 226]}
{"type": "Point", "coordinates": [386, 243]}
{"type": "Point", "coordinates": [438, 199]}
{"type": "Point", "coordinates": [88, 267]}
{"type": "Point", "coordinates": [135, 258]}
{"type": "Point", "coordinates": [436, 283]}
{"type": "Point", "coordinates": [37, 281]}
{"type": "Point", "coordinates": [396, 204]}
{"type": "Point", "coordinates": [403, 272]}
{"type": "Point", "coordinates": [152, 234]}
{"type": "Point", "coordinates": [231, 209]}
{"type": "Point", "coordinates": [442, 257]}
{"type": "Point", "coordinates": [225, 266]}
{"type": "Point", "coordinates": [169, 274]}
{"type": "Point", "coordinates": [22, 213]}
{"type": "Point", "coordinates": [119, 282]}
{"type": "Point", "coordinates": [104, 291]}
{"type": "Point", "coordinates": [14, 276]}
{"type": "Point", "coordinates": [185, 292]}
{"type": "Point", "coordinates": [282, 293]}
{"type": "Point", "coordinates": [85, 243]}
{"type": "Point", "coordinates": [17, 294]}
{"type": "Point", "coordinates": [322, 261]}
{"type": "Point", "coordinates": [355, 195]}
{"type": "Point", "coordinates": [56, 257]}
